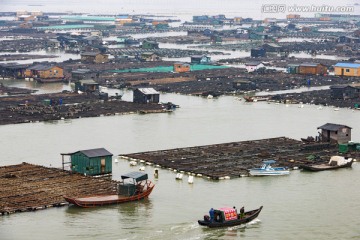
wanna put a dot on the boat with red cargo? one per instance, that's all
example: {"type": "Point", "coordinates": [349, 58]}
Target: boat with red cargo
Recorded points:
{"type": "Point", "coordinates": [133, 187]}
{"type": "Point", "coordinates": [227, 217]}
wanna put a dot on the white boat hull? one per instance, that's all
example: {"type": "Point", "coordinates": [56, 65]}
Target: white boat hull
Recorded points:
{"type": "Point", "coordinates": [269, 173]}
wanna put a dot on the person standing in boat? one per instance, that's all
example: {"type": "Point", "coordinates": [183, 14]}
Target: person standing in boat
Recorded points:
{"type": "Point", "coordinates": [211, 213]}
{"type": "Point", "coordinates": [242, 212]}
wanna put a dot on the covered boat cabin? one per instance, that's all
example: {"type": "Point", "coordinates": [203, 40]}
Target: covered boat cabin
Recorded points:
{"type": "Point", "coordinates": [130, 182]}
{"type": "Point", "coordinates": [225, 214]}
{"type": "Point", "coordinates": [335, 133]}
{"type": "Point", "coordinates": [91, 162]}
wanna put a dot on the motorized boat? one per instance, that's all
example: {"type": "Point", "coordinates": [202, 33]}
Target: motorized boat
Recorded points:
{"type": "Point", "coordinates": [335, 162]}
{"type": "Point", "coordinates": [267, 170]}
{"type": "Point", "coordinates": [133, 187]}
{"type": "Point", "coordinates": [227, 217]}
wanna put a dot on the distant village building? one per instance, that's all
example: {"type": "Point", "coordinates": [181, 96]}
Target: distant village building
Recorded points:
{"type": "Point", "coordinates": [343, 48]}
{"type": "Point", "coordinates": [335, 133]}
{"type": "Point", "coordinates": [200, 59]}
{"type": "Point", "coordinates": [181, 67]}
{"type": "Point", "coordinates": [94, 57]}
{"type": "Point", "coordinates": [149, 45]}
{"type": "Point", "coordinates": [146, 95]}
{"type": "Point", "coordinates": [345, 92]}
{"type": "Point", "coordinates": [312, 69]}
{"type": "Point", "coordinates": [348, 39]}
{"type": "Point", "coordinates": [13, 70]}
{"type": "Point", "coordinates": [347, 69]}
{"type": "Point", "coordinates": [292, 16]}
{"type": "Point", "coordinates": [53, 43]}
{"type": "Point", "coordinates": [292, 68]}
{"type": "Point", "coordinates": [258, 52]}
{"type": "Point", "coordinates": [272, 47]}
{"type": "Point", "coordinates": [80, 74]}
{"type": "Point", "coordinates": [244, 85]}
{"type": "Point", "coordinates": [90, 162]}
{"type": "Point", "coordinates": [150, 57]}
{"type": "Point", "coordinates": [88, 85]}
{"type": "Point", "coordinates": [253, 66]}
{"type": "Point", "coordinates": [44, 71]}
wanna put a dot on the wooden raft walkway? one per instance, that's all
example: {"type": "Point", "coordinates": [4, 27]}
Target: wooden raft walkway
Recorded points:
{"type": "Point", "coordinates": [233, 159]}
{"type": "Point", "coordinates": [27, 187]}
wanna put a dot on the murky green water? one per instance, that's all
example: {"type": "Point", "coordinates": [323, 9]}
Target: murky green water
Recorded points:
{"type": "Point", "coordinates": [299, 206]}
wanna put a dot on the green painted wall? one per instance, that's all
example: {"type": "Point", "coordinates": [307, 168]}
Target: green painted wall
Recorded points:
{"type": "Point", "coordinates": [90, 166]}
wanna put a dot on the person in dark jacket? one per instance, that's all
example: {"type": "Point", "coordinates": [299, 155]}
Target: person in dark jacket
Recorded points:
{"type": "Point", "coordinates": [211, 213]}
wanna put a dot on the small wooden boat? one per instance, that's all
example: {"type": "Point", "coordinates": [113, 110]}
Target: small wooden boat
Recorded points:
{"type": "Point", "coordinates": [227, 217]}
{"type": "Point", "coordinates": [248, 99]}
{"type": "Point", "coordinates": [134, 186]}
{"type": "Point", "coordinates": [267, 170]}
{"type": "Point", "coordinates": [335, 162]}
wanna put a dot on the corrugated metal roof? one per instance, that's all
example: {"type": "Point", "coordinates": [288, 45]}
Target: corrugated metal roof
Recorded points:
{"type": "Point", "coordinates": [138, 176]}
{"type": "Point", "coordinates": [348, 65]}
{"type": "Point", "coordinates": [332, 127]}
{"type": "Point", "coordinates": [88, 82]}
{"type": "Point", "coordinates": [309, 64]}
{"type": "Point", "coordinates": [41, 67]}
{"type": "Point", "coordinates": [96, 152]}
{"type": "Point", "coordinates": [148, 91]}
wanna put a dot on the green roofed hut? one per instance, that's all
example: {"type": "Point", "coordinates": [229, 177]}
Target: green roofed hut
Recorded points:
{"type": "Point", "coordinates": [91, 162]}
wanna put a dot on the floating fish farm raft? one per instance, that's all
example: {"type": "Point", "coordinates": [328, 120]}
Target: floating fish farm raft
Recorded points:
{"type": "Point", "coordinates": [229, 160]}
{"type": "Point", "coordinates": [26, 187]}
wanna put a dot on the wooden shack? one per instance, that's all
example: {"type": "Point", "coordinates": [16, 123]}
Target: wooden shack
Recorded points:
{"type": "Point", "coordinates": [146, 95]}
{"type": "Point", "coordinates": [44, 72]}
{"type": "Point", "coordinates": [94, 57]}
{"type": "Point", "coordinates": [91, 162]}
{"type": "Point", "coordinates": [258, 52]}
{"type": "Point", "coordinates": [200, 59]}
{"type": "Point", "coordinates": [88, 85]}
{"type": "Point", "coordinates": [335, 133]}
{"type": "Point", "coordinates": [292, 68]}
{"type": "Point", "coordinates": [181, 67]}
{"type": "Point", "coordinates": [312, 69]}
{"type": "Point", "coordinates": [347, 69]}
{"type": "Point", "coordinates": [344, 92]}
{"type": "Point", "coordinates": [146, 44]}
{"type": "Point", "coordinates": [150, 57]}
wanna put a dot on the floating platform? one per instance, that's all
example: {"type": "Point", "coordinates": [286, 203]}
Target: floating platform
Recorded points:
{"type": "Point", "coordinates": [233, 159]}
{"type": "Point", "coordinates": [26, 187]}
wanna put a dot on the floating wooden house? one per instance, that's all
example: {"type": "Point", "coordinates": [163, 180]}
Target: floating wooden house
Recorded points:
{"type": "Point", "coordinates": [200, 59]}
{"type": "Point", "coordinates": [94, 57]}
{"type": "Point", "coordinates": [347, 69]}
{"type": "Point", "coordinates": [91, 162]}
{"type": "Point", "coordinates": [150, 57]}
{"type": "Point", "coordinates": [258, 52]}
{"type": "Point", "coordinates": [312, 68]}
{"type": "Point", "coordinates": [86, 85]}
{"type": "Point", "coordinates": [335, 133]}
{"type": "Point", "coordinates": [146, 44]}
{"type": "Point", "coordinates": [181, 67]}
{"type": "Point", "coordinates": [44, 72]}
{"type": "Point", "coordinates": [345, 92]}
{"type": "Point", "coordinates": [146, 95]}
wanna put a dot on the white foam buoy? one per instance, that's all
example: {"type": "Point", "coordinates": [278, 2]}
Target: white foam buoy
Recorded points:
{"type": "Point", "coordinates": [179, 176]}
{"type": "Point", "coordinates": [142, 168]}
{"type": "Point", "coordinates": [191, 179]}
{"type": "Point", "coordinates": [133, 163]}
{"type": "Point", "coordinates": [116, 160]}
